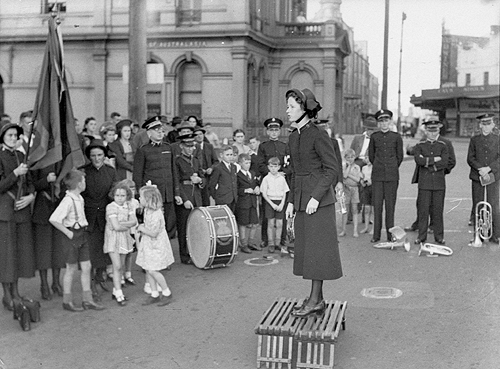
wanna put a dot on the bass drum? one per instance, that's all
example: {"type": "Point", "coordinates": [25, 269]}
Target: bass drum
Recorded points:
{"type": "Point", "coordinates": [212, 236]}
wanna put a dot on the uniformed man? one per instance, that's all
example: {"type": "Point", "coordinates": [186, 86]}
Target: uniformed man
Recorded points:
{"type": "Point", "coordinates": [268, 149]}
{"type": "Point", "coordinates": [385, 152]}
{"type": "Point", "coordinates": [154, 162]}
{"type": "Point", "coordinates": [483, 158]}
{"type": "Point", "coordinates": [205, 152]}
{"type": "Point", "coordinates": [452, 161]}
{"type": "Point", "coordinates": [431, 156]}
{"type": "Point", "coordinates": [190, 182]}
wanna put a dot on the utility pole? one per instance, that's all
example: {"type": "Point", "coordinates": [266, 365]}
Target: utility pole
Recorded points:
{"type": "Point", "coordinates": [386, 48]}
{"type": "Point", "coordinates": [137, 60]}
{"type": "Point", "coordinates": [400, 64]}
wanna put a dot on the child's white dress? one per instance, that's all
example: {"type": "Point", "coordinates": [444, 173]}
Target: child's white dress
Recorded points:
{"type": "Point", "coordinates": [114, 241]}
{"type": "Point", "coordinates": [154, 253]}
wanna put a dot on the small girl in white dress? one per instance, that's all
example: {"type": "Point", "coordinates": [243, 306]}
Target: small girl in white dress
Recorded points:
{"type": "Point", "coordinates": [118, 242]}
{"type": "Point", "coordinates": [154, 249]}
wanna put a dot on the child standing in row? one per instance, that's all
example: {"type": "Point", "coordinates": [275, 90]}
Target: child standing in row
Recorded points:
{"type": "Point", "coordinates": [352, 176]}
{"type": "Point", "coordinates": [366, 194]}
{"type": "Point", "coordinates": [246, 206]}
{"type": "Point", "coordinates": [118, 242]}
{"type": "Point", "coordinates": [134, 204]}
{"type": "Point", "coordinates": [69, 218]}
{"type": "Point", "coordinates": [274, 189]}
{"type": "Point", "coordinates": [154, 249]}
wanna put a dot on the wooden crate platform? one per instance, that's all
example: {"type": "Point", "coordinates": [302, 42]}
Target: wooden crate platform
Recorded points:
{"type": "Point", "coordinates": [286, 340]}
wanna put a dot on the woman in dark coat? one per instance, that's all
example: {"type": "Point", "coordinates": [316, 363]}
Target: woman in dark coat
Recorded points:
{"type": "Point", "coordinates": [314, 170]}
{"type": "Point", "coordinates": [17, 253]}
{"type": "Point", "coordinates": [49, 252]}
{"type": "Point", "coordinates": [99, 178]}
{"type": "Point", "coordinates": [124, 150]}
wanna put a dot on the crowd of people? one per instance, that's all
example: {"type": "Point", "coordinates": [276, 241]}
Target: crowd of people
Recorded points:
{"type": "Point", "coordinates": [140, 184]}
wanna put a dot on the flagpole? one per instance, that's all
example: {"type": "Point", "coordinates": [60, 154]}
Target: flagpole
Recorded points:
{"type": "Point", "coordinates": [403, 17]}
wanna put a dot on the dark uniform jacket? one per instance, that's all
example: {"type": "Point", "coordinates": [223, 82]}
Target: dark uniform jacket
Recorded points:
{"type": "Point", "coordinates": [96, 195]}
{"type": "Point", "coordinates": [10, 160]}
{"type": "Point", "coordinates": [452, 160]}
{"type": "Point", "coordinates": [223, 185]}
{"type": "Point", "coordinates": [246, 200]}
{"type": "Point", "coordinates": [185, 168]}
{"type": "Point", "coordinates": [386, 154]}
{"type": "Point", "coordinates": [313, 167]}
{"type": "Point", "coordinates": [269, 149]}
{"type": "Point", "coordinates": [430, 172]}
{"type": "Point", "coordinates": [122, 165]}
{"type": "Point", "coordinates": [206, 155]}
{"type": "Point", "coordinates": [155, 163]}
{"type": "Point", "coordinates": [46, 200]}
{"type": "Point", "coordinates": [484, 151]}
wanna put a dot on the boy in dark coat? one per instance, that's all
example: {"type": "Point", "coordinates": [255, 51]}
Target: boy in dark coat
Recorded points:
{"type": "Point", "coordinates": [223, 181]}
{"type": "Point", "coordinates": [246, 206]}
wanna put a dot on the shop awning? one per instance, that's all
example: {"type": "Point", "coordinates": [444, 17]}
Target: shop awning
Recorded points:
{"type": "Point", "coordinates": [451, 93]}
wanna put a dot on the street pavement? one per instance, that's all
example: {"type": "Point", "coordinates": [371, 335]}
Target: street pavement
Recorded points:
{"type": "Point", "coordinates": [448, 315]}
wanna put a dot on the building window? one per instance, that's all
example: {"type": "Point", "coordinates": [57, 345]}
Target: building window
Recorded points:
{"type": "Point", "coordinates": [486, 78]}
{"type": "Point", "coordinates": [467, 79]}
{"type": "Point", "coordinates": [188, 12]}
{"type": "Point", "coordinates": [190, 90]}
{"type": "Point", "coordinates": [53, 6]}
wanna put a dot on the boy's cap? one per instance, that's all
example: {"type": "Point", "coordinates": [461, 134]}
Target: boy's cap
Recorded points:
{"type": "Point", "coordinates": [273, 123]}
{"type": "Point", "coordinates": [383, 114]}
{"type": "Point", "coordinates": [432, 125]}
{"type": "Point", "coordinates": [199, 129]}
{"type": "Point", "coordinates": [152, 122]}
{"type": "Point", "coordinates": [187, 140]}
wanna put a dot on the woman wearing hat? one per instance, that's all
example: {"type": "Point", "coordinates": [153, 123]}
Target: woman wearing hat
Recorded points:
{"type": "Point", "coordinates": [124, 150]}
{"type": "Point", "coordinates": [99, 177]}
{"type": "Point", "coordinates": [17, 254]}
{"type": "Point", "coordinates": [314, 169]}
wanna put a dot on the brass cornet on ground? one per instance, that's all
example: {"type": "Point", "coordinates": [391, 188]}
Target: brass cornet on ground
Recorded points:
{"type": "Point", "coordinates": [434, 250]}
{"type": "Point", "coordinates": [398, 240]}
{"type": "Point", "coordinates": [484, 222]}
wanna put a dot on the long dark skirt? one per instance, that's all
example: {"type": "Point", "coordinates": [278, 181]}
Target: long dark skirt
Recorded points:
{"type": "Point", "coordinates": [98, 258]}
{"type": "Point", "coordinates": [49, 251]}
{"type": "Point", "coordinates": [17, 252]}
{"type": "Point", "coordinates": [316, 246]}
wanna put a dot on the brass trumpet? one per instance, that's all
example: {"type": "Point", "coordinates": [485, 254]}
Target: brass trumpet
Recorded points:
{"type": "Point", "coordinates": [484, 222]}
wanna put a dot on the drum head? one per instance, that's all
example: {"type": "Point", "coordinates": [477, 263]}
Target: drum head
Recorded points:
{"type": "Point", "coordinates": [198, 237]}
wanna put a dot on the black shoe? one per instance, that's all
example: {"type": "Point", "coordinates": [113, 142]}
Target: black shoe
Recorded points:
{"type": "Point", "coordinates": [187, 261]}
{"type": "Point", "coordinates": [8, 304]}
{"type": "Point", "coordinates": [410, 229]}
{"type": "Point", "coordinates": [130, 281]}
{"type": "Point", "coordinates": [418, 241]}
{"type": "Point", "coordinates": [308, 310]}
{"type": "Point", "coordinates": [151, 300]}
{"type": "Point", "coordinates": [245, 249]}
{"type": "Point", "coordinates": [373, 240]}
{"type": "Point", "coordinates": [57, 289]}
{"type": "Point", "coordinates": [45, 291]}
{"type": "Point", "coordinates": [91, 305]}
{"type": "Point", "coordinates": [253, 247]}
{"type": "Point", "coordinates": [304, 303]}
{"type": "Point", "coordinates": [440, 242]}
{"type": "Point", "coordinates": [165, 300]}
{"type": "Point", "coordinates": [70, 307]}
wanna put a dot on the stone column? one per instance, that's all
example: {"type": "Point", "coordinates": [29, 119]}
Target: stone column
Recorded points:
{"type": "Point", "coordinates": [239, 89]}
{"type": "Point", "coordinates": [99, 72]}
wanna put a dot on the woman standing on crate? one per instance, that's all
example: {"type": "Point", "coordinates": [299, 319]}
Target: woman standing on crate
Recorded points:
{"type": "Point", "coordinates": [314, 169]}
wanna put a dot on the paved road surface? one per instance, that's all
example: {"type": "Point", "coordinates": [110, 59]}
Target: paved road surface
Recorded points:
{"type": "Point", "coordinates": [448, 315]}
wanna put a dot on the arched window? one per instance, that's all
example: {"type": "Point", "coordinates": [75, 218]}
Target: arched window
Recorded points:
{"type": "Point", "coordinates": [190, 89]}
{"type": "Point", "coordinates": [301, 80]}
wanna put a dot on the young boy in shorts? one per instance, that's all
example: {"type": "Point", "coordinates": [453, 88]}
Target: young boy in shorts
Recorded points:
{"type": "Point", "coordinates": [69, 218]}
{"type": "Point", "coordinates": [273, 189]}
{"type": "Point", "coordinates": [246, 206]}
{"type": "Point", "coordinates": [352, 176]}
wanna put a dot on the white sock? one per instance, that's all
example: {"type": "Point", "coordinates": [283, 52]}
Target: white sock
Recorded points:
{"type": "Point", "coordinates": [128, 274]}
{"type": "Point", "coordinates": [155, 294]}
{"type": "Point", "coordinates": [166, 292]}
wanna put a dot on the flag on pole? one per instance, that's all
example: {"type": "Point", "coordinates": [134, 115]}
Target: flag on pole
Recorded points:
{"type": "Point", "coordinates": [404, 16]}
{"type": "Point", "coordinates": [55, 138]}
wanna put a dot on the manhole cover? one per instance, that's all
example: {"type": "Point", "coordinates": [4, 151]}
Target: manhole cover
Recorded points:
{"type": "Point", "coordinates": [381, 292]}
{"type": "Point", "coordinates": [261, 261]}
